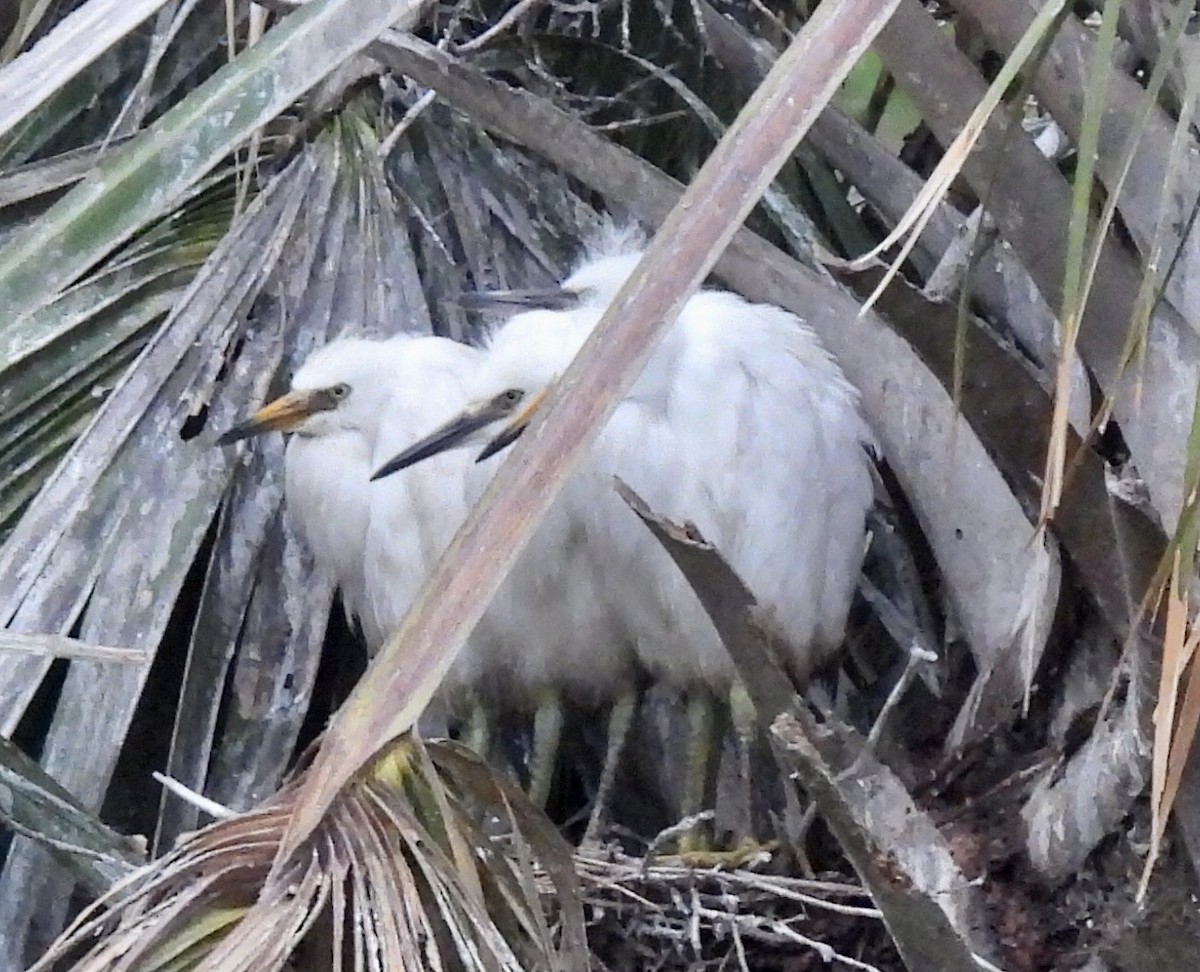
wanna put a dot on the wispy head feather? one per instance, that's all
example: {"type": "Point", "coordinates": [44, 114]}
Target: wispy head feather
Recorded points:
{"type": "Point", "coordinates": [612, 238]}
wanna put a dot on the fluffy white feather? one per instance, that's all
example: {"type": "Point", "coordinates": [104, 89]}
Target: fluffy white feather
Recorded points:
{"type": "Point", "coordinates": [741, 422]}
{"type": "Point", "coordinates": [378, 540]}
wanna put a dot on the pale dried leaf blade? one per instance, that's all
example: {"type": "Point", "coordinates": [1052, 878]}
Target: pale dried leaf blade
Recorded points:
{"type": "Point", "coordinates": [459, 850]}
{"type": "Point", "coordinates": [70, 549]}
{"type": "Point", "coordinates": [1175, 658]}
{"type": "Point", "coordinates": [1174, 727]}
{"type": "Point", "coordinates": [546, 845]}
{"type": "Point", "coordinates": [1078, 271]}
{"type": "Point", "coordinates": [189, 945]}
{"type": "Point", "coordinates": [148, 177]}
{"type": "Point", "coordinates": [59, 646]}
{"type": "Point", "coordinates": [268, 933]}
{"type": "Point", "coordinates": [76, 40]}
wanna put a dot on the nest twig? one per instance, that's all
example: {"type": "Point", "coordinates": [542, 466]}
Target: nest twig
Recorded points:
{"type": "Point", "coordinates": [667, 914]}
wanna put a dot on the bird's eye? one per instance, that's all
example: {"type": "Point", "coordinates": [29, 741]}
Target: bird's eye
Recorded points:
{"type": "Point", "coordinates": [512, 396]}
{"type": "Point", "coordinates": [340, 391]}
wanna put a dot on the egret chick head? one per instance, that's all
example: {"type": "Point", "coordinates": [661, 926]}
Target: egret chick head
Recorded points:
{"type": "Point", "coordinates": [347, 375]}
{"type": "Point", "coordinates": [598, 281]}
{"type": "Point", "coordinates": [338, 389]}
{"type": "Point", "coordinates": [608, 259]}
{"type": "Point", "coordinates": [523, 359]}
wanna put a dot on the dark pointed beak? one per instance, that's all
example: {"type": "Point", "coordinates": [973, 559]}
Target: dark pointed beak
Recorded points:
{"type": "Point", "coordinates": [514, 429]}
{"type": "Point", "coordinates": [493, 300]}
{"type": "Point", "coordinates": [283, 415]}
{"type": "Point", "coordinates": [501, 442]}
{"type": "Point", "coordinates": [451, 435]}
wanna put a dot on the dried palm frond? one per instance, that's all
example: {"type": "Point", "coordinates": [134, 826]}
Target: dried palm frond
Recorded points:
{"type": "Point", "coordinates": [424, 860]}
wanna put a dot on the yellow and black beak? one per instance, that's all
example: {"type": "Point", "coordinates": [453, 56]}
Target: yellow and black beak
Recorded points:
{"type": "Point", "coordinates": [282, 415]}
{"type": "Point", "coordinates": [453, 434]}
{"type": "Point", "coordinates": [513, 430]}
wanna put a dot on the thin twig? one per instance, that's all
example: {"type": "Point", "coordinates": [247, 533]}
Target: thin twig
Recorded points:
{"type": "Point", "coordinates": [780, 889]}
{"type": "Point", "coordinates": [403, 125]}
{"type": "Point", "coordinates": [985, 964]}
{"type": "Point", "coordinates": [614, 876]}
{"type": "Point", "coordinates": [211, 807]}
{"type": "Point", "coordinates": [645, 121]}
{"type": "Point", "coordinates": [739, 947]}
{"type": "Point", "coordinates": [917, 656]}
{"type": "Point", "coordinates": [507, 20]}
{"type": "Point", "coordinates": [773, 932]}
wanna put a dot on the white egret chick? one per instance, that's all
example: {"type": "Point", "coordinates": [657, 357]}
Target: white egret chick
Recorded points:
{"type": "Point", "coordinates": [550, 631]}
{"type": "Point", "coordinates": [375, 541]}
{"type": "Point", "coordinates": [742, 423]}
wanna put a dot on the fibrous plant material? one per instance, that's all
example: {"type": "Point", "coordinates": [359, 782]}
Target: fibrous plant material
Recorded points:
{"type": "Point", "coordinates": [668, 914]}
{"type": "Point", "coordinates": [399, 875]}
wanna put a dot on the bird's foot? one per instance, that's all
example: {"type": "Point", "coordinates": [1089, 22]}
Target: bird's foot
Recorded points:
{"type": "Point", "coordinates": [747, 853]}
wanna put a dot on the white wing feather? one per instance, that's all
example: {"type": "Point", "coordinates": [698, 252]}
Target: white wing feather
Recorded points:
{"type": "Point", "coordinates": [744, 425]}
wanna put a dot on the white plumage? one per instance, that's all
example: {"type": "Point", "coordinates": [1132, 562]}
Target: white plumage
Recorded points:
{"type": "Point", "coordinates": [549, 630]}
{"type": "Point", "coordinates": [741, 422]}
{"type": "Point", "coordinates": [414, 518]}
{"type": "Point", "coordinates": [355, 403]}
{"type": "Point", "coordinates": [376, 541]}
{"type": "Point", "coordinates": [744, 424]}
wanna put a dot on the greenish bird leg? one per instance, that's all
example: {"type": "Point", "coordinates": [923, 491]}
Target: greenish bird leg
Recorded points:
{"type": "Point", "coordinates": [748, 739]}
{"type": "Point", "coordinates": [745, 731]}
{"type": "Point", "coordinates": [547, 731]}
{"type": "Point", "coordinates": [478, 734]}
{"type": "Point", "coordinates": [703, 760]}
{"type": "Point", "coordinates": [620, 720]}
